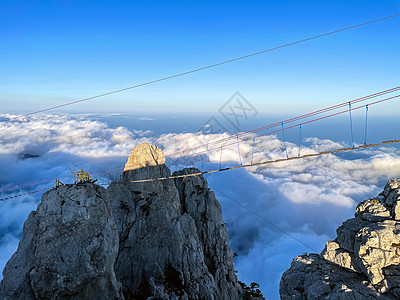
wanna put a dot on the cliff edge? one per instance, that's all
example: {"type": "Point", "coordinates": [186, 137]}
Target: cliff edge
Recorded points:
{"type": "Point", "coordinates": [363, 262]}
{"type": "Point", "coordinates": [160, 239]}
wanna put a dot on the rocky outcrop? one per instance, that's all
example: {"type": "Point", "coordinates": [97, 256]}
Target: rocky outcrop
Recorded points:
{"type": "Point", "coordinates": [171, 226]}
{"type": "Point", "coordinates": [144, 155]}
{"type": "Point", "coordinates": [162, 238]}
{"type": "Point", "coordinates": [68, 249]}
{"type": "Point", "coordinates": [363, 262]}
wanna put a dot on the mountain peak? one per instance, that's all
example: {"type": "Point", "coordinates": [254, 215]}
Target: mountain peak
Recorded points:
{"type": "Point", "coordinates": [134, 240]}
{"type": "Point", "coordinates": [144, 155]}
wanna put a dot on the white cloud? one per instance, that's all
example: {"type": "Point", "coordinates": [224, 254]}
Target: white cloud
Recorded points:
{"type": "Point", "coordinates": [295, 195]}
{"type": "Point", "coordinates": [312, 194]}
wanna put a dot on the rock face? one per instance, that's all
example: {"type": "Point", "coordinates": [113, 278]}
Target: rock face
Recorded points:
{"type": "Point", "coordinates": [363, 262]}
{"type": "Point", "coordinates": [144, 155]}
{"type": "Point", "coordinates": [67, 250]}
{"type": "Point", "coordinates": [171, 227]}
{"type": "Point", "coordinates": [163, 239]}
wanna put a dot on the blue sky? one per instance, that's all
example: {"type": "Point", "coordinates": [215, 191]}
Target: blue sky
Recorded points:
{"type": "Point", "coordinates": [58, 51]}
{"type": "Point", "coordinates": [52, 52]}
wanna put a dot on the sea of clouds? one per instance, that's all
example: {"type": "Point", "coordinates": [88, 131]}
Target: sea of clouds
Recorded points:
{"type": "Point", "coordinates": [307, 199]}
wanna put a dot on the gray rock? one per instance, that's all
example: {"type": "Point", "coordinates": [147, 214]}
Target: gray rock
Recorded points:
{"type": "Point", "coordinates": [391, 193]}
{"type": "Point", "coordinates": [376, 247]}
{"type": "Point", "coordinates": [372, 210]}
{"type": "Point", "coordinates": [366, 250]}
{"type": "Point", "coordinates": [312, 277]}
{"type": "Point", "coordinates": [67, 250]}
{"type": "Point", "coordinates": [390, 186]}
{"type": "Point", "coordinates": [16, 283]}
{"type": "Point", "coordinates": [161, 238]}
{"type": "Point", "coordinates": [347, 232]}
{"type": "Point", "coordinates": [176, 222]}
{"type": "Point", "coordinates": [339, 256]}
{"type": "Point", "coordinates": [202, 206]}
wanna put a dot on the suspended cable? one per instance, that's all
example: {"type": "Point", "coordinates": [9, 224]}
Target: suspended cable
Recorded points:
{"type": "Point", "coordinates": [252, 150]}
{"type": "Point", "coordinates": [299, 138]}
{"type": "Point", "coordinates": [260, 217]}
{"type": "Point", "coordinates": [351, 126]}
{"type": "Point", "coordinates": [307, 122]}
{"type": "Point", "coordinates": [252, 131]}
{"type": "Point", "coordinates": [15, 187]}
{"type": "Point", "coordinates": [206, 67]}
{"type": "Point", "coordinates": [170, 156]}
{"type": "Point", "coordinates": [366, 124]}
{"type": "Point", "coordinates": [301, 117]}
{"type": "Point", "coordinates": [241, 166]}
{"type": "Point", "coordinates": [270, 161]}
{"type": "Point", "coordinates": [220, 158]}
{"type": "Point", "coordinates": [284, 142]}
{"type": "Point", "coordinates": [24, 194]}
{"type": "Point", "coordinates": [238, 143]}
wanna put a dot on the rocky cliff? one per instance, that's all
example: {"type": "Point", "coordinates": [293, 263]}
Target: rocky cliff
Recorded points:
{"type": "Point", "coordinates": [67, 250]}
{"type": "Point", "coordinates": [164, 239]}
{"type": "Point", "coordinates": [363, 262]}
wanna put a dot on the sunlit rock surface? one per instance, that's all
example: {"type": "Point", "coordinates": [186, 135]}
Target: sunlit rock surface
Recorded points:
{"type": "Point", "coordinates": [363, 262]}
{"type": "Point", "coordinates": [144, 155]}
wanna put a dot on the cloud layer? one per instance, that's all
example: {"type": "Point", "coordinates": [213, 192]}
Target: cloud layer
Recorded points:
{"type": "Point", "coordinates": [306, 198]}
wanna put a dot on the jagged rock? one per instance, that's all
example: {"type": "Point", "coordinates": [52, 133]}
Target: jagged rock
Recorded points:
{"type": "Point", "coordinates": [372, 210]}
{"type": "Point", "coordinates": [144, 155]}
{"type": "Point", "coordinates": [311, 277]}
{"type": "Point", "coordinates": [376, 248]}
{"type": "Point", "coordinates": [392, 197]}
{"type": "Point", "coordinates": [339, 256]}
{"type": "Point", "coordinates": [202, 206]}
{"type": "Point", "coordinates": [176, 223]}
{"type": "Point", "coordinates": [160, 238]}
{"type": "Point", "coordinates": [346, 233]}
{"type": "Point", "coordinates": [67, 250]}
{"type": "Point", "coordinates": [391, 185]}
{"type": "Point", "coordinates": [367, 246]}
